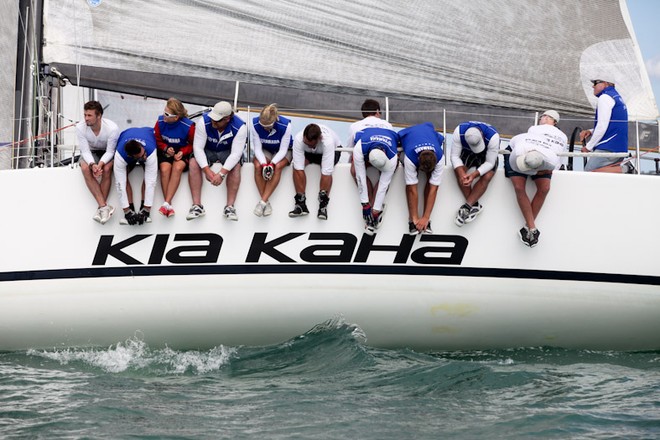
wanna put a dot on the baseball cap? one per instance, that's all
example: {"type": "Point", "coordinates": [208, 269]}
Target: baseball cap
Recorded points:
{"type": "Point", "coordinates": [220, 110]}
{"type": "Point", "coordinates": [553, 114]}
{"type": "Point", "coordinates": [607, 77]}
{"type": "Point", "coordinates": [529, 161]}
{"type": "Point", "coordinates": [475, 140]}
{"type": "Point", "coordinates": [378, 159]}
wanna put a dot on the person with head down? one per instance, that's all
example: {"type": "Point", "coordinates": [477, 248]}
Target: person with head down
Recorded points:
{"type": "Point", "coordinates": [474, 156]}
{"type": "Point", "coordinates": [534, 154]}
{"type": "Point", "coordinates": [377, 148]}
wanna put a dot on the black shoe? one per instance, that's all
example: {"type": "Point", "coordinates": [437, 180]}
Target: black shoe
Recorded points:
{"type": "Point", "coordinates": [412, 229]}
{"type": "Point", "coordinates": [323, 213]}
{"type": "Point", "coordinates": [524, 235]}
{"type": "Point", "coordinates": [428, 229]}
{"type": "Point", "coordinates": [534, 237]}
{"type": "Point", "coordinates": [299, 210]}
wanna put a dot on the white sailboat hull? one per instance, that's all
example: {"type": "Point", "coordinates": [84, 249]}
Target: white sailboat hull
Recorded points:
{"type": "Point", "coordinates": [592, 282]}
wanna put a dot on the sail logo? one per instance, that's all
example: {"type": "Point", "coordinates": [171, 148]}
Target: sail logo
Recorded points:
{"type": "Point", "coordinates": [94, 3]}
{"type": "Point", "coordinates": [314, 247]}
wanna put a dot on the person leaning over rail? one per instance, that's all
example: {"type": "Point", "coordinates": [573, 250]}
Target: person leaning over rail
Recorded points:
{"type": "Point", "coordinates": [270, 137]}
{"type": "Point", "coordinates": [97, 139]}
{"type": "Point", "coordinates": [534, 154]}
{"type": "Point", "coordinates": [316, 144]}
{"type": "Point", "coordinates": [174, 137]}
{"type": "Point", "coordinates": [422, 151]}
{"type": "Point", "coordinates": [136, 146]}
{"type": "Point", "coordinates": [371, 119]}
{"type": "Point", "coordinates": [220, 136]}
{"type": "Point", "coordinates": [474, 156]}
{"type": "Point", "coordinates": [375, 147]}
{"type": "Point", "coordinates": [610, 132]}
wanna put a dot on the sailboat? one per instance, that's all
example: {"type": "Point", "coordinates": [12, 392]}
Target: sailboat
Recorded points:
{"type": "Point", "coordinates": [592, 282]}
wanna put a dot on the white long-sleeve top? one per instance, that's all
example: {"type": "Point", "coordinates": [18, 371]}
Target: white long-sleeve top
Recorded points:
{"type": "Point", "coordinates": [605, 105]}
{"type": "Point", "coordinates": [150, 177]}
{"type": "Point", "coordinates": [361, 177]}
{"type": "Point", "coordinates": [105, 141]}
{"type": "Point", "coordinates": [237, 146]}
{"type": "Point", "coordinates": [368, 122]}
{"type": "Point", "coordinates": [326, 147]}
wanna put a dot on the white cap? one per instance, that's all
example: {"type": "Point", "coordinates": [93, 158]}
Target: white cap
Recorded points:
{"type": "Point", "coordinates": [532, 160]}
{"type": "Point", "coordinates": [475, 140]}
{"type": "Point", "coordinates": [221, 110]}
{"type": "Point", "coordinates": [553, 114]}
{"type": "Point", "coordinates": [379, 160]}
{"type": "Point", "coordinates": [607, 77]}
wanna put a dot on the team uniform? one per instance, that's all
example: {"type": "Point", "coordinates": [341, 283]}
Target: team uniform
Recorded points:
{"type": "Point", "coordinates": [275, 143]}
{"type": "Point", "coordinates": [324, 153]}
{"type": "Point", "coordinates": [415, 140]}
{"type": "Point", "coordinates": [610, 133]}
{"type": "Point", "coordinates": [368, 122]}
{"type": "Point", "coordinates": [101, 148]}
{"type": "Point", "coordinates": [211, 146]}
{"type": "Point", "coordinates": [462, 154]}
{"type": "Point", "coordinates": [367, 140]}
{"type": "Point", "coordinates": [124, 163]}
{"type": "Point", "coordinates": [538, 141]}
{"type": "Point", "coordinates": [178, 135]}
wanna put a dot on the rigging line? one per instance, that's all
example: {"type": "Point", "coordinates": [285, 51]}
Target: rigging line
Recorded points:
{"type": "Point", "coordinates": [41, 135]}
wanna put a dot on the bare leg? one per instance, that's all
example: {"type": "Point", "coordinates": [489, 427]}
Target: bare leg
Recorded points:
{"type": "Point", "coordinates": [233, 182]}
{"type": "Point", "coordinates": [195, 181]}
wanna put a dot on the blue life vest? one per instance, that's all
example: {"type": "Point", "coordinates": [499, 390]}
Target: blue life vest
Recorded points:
{"type": "Point", "coordinates": [487, 130]}
{"type": "Point", "coordinates": [270, 140]}
{"type": "Point", "coordinates": [382, 138]}
{"type": "Point", "coordinates": [175, 135]}
{"type": "Point", "coordinates": [144, 135]}
{"type": "Point", "coordinates": [420, 138]}
{"type": "Point", "coordinates": [216, 141]}
{"type": "Point", "coordinates": [615, 138]}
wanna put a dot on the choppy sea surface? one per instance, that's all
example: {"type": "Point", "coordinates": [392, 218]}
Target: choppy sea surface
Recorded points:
{"type": "Point", "coordinates": [327, 383]}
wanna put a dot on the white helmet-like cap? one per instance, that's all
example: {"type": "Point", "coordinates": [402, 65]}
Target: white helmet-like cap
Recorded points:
{"type": "Point", "coordinates": [378, 159]}
{"type": "Point", "coordinates": [553, 114]}
{"type": "Point", "coordinates": [221, 110]}
{"type": "Point", "coordinates": [530, 161]}
{"type": "Point", "coordinates": [475, 140]}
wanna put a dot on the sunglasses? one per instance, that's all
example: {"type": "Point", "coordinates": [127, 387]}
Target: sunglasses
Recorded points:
{"type": "Point", "coordinates": [596, 82]}
{"type": "Point", "coordinates": [168, 115]}
{"type": "Point", "coordinates": [267, 127]}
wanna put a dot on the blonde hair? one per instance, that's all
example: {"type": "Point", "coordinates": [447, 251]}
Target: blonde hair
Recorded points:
{"type": "Point", "coordinates": [177, 107]}
{"type": "Point", "coordinates": [268, 115]}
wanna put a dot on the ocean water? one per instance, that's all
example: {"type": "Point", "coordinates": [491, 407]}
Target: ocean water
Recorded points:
{"type": "Point", "coordinates": [328, 384]}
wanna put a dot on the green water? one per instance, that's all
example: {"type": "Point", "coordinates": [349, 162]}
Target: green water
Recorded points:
{"type": "Point", "coordinates": [328, 384]}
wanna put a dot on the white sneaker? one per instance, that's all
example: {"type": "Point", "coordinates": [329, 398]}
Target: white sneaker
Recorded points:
{"type": "Point", "coordinates": [230, 213]}
{"type": "Point", "coordinates": [106, 212]}
{"type": "Point", "coordinates": [462, 215]}
{"type": "Point", "coordinates": [196, 211]}
{"type": "Point", "coordinates": [97, 215]}
{"type": "Point", "coordinates": [475, 210]}
{"type": "Point", "coordinates": [268, 210]}
{"type": "Point", "coordinates": [259, 209]}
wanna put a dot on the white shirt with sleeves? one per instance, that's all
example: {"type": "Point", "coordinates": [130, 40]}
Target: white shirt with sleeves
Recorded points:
{"type": "Point", "coordinates": [384, 179]}
{"type": "Point", "coordinates": [237, 146]}
{"type": "Point", "coordinates": [492, 148]}
{"type": "Point", "coordinates": [326, 146]}
{"type": "Point", "coordinates": [368, 122]}
{"type": "Point", "coordinates": [105, 141]}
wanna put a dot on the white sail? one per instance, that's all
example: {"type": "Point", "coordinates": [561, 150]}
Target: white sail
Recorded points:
{"type": "Point", "coordinates": [492, 52]}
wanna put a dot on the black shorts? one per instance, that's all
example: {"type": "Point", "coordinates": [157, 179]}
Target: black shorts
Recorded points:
{"type": "Point", "coordinates": [316, 158]}
{"type": "Point", "coordinates": [509, 172]}
{"type": "Point", "coordinates": [163, 158]}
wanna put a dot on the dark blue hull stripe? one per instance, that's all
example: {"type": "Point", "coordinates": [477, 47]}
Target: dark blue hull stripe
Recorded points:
{"type": "Point", "coordinates": [325, 269]}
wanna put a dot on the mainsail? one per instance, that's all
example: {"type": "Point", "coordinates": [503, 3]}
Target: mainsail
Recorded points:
{"type": "Point", "coordinates": [444, 61]}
